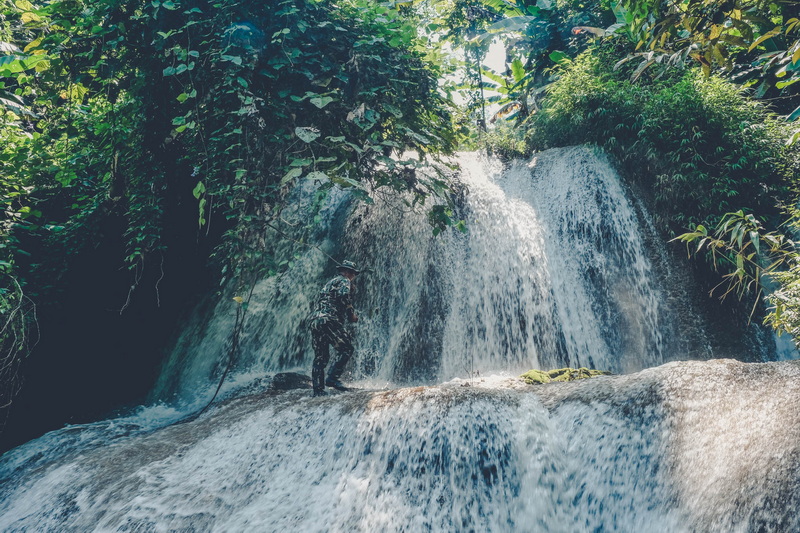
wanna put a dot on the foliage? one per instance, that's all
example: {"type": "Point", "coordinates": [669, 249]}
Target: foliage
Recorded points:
{"type": "Point", "coordinates": [752, 42]}
{"type": "Point", "coordinates": [700, 145]}
{"type": "Point", "coordinates": [784, 301]}
{"type": "Point", "coordinates": [17, 326]}
{"type": "Point", "coordinates": [505, 141]}
{"type": "Point", "coordinates": [756, 262]}
{"type": "Point", "coordinates": [751, 254]}
{"type": "Point", "coordinates": [139, 106]}
{"type": "Point", "coordinates": [536, 36]}
{"type": "Point", "coordinates": [758, 41]}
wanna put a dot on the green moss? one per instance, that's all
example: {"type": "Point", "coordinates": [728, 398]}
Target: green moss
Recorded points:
{"type": "Point", "coordinates": [535, 377]}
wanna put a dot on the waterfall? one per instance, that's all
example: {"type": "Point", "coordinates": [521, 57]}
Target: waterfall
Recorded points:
{"type": "Point", "coordinates": [554, 270]}
{"type": "Point", "coordinates": [558, 267]}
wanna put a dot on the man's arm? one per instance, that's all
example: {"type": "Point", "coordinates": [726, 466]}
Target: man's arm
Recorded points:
{"type": "Point", "coordinates": [345, 297]}
{"type": "Point", "coordinates": [351, 312]}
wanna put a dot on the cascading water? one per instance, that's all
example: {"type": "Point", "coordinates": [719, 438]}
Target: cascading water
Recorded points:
{"type": "Point", "coordinates": [553, 271]}
{"type": "Point", "coordinates": [697, 446]}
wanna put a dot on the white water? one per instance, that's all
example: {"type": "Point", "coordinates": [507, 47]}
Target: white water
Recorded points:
{"type": "Point", "coordinates": [701, 446]}
{"type": "Point", "coordinates": [553, 271]}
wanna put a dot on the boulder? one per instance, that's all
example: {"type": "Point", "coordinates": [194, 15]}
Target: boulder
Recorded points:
{"type": "Point", "coordinates": [289, 381]}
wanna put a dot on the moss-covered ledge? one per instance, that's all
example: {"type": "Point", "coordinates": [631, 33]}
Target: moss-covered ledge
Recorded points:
{"type": "Point", "coordinates": [537, 377]}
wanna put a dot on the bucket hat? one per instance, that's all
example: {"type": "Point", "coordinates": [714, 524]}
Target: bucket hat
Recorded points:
{"type": "Point", "coordinates": [348, 265]}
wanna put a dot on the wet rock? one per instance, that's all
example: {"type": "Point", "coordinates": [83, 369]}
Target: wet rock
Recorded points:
{"type": "Point", "coordinates": [536, 377]}
{"type": "Point", "coordinates": [290, 380]}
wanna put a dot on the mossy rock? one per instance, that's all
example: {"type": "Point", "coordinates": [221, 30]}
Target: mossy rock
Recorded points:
{"type": "Point", "coordinates": [537, 377]}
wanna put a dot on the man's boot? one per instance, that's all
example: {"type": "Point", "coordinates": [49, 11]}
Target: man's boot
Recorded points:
{"type": "Point", "coordinates": [317, 380]}
{"type": "Point", "coordinates": [336, 384]}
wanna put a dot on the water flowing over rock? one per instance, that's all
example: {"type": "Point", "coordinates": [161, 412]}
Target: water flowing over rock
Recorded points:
{"type": "Point", "coordinates": [559, 268]}
{"type": "Point", "coordinates": [554, 271]}
{"type": "Point", "coordinates": [696, 446]}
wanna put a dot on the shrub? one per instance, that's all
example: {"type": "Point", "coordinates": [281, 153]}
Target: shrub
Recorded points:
{"type": "Point", "coordinates": [698, 143]}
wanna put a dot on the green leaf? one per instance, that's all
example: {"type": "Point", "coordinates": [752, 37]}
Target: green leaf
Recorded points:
{"type": "Point", "coordinates": [321, 101]}
{"type": "Point", "coordinates": [202, 208]}
{"type": "Point", "coordinates": [307, 134]}
{"type": "Point", "coordinates": [317, 175]}
{"type": "Point", "coordinates": [30, 17]}
{"type": "Point", "coordinates": [199, 189]}
{"type": "Point", "coordinates": [393, 110]}
{"type": "Point", "coordinates": [292, 174]}
{"type": "Point", "coordinates": [769, 35]}
{"type": "Point", "coordinates": [517, 70]}
{"type": "Point", "coordinates": [345, 182]}
{"type": "Point", "coordinates": [236, 60]}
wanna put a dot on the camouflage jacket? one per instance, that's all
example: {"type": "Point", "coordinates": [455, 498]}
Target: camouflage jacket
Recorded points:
{"type": "Point", "coordinates": [334, 302]}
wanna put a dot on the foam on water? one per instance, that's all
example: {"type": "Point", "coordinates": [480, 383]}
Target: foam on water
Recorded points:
{"type": "Point", "coordinates": [553, 271]}
{"type": "Point", "coordinates": [661, 450]}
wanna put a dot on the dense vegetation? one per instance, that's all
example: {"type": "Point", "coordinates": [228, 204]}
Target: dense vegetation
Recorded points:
{"type": "Point", "coordinates": [144, 141]}
{"type": "Point", "coordinates": [696, 100]}
{"type": "Point", "coordinates": [147, 146]}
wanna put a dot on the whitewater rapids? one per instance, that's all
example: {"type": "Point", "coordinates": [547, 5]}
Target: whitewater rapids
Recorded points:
{"type": "Point", "coordinates": [696, 446]}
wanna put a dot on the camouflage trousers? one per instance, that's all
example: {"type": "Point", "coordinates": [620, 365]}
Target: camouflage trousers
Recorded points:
{"type": "Point", "coordinates": [323, 336]}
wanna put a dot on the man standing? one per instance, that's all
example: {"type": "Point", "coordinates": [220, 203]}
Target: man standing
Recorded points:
{"type": "Point", "coordinates": [332, 311]}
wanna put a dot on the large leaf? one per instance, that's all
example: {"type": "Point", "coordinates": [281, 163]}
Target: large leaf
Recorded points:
{"type": "Point", "coordinates": [307, 134]}
{"type": "Point", "coordinates": [769, 35]}
{"type": "Point", "coordinates": [321, 101]}
{"type": "Point", "coordinates": [16, 108]}
{"type": "Point", "coordinates": [517, 70]}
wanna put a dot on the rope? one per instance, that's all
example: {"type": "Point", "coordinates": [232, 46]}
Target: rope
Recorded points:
{"type": "Point", "coordinates": [241, 311]}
